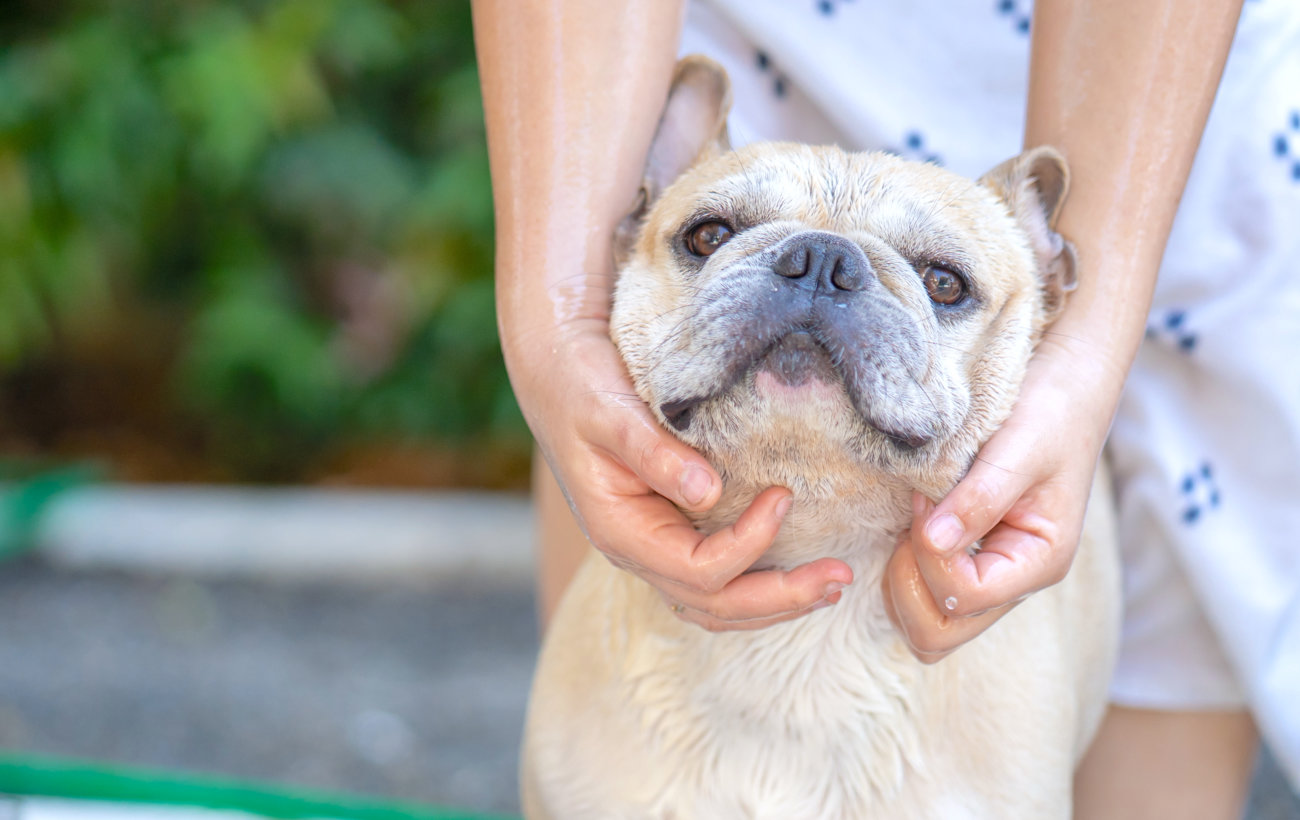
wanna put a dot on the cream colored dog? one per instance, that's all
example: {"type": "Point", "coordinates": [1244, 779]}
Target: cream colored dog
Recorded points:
{"type": "Point", "coordinates": [852, 327]}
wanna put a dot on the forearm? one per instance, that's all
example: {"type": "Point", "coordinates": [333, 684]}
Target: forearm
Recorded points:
{"type": "Point", "coordinates": [572, 93]}
{"type": "Point", "coordinates": [1123, 90]}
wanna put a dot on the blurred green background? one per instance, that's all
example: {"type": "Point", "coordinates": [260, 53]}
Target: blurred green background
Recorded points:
{"type": "Point", "coordinates": [249, 240]}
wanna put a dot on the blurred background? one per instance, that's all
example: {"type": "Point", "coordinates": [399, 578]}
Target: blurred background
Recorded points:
{"type": "Point", "coordinates": [245, 246]}
{"type": "Point", "coordinates": [249, 241]}
{"type": "Point", "coordinates": [261, 472]}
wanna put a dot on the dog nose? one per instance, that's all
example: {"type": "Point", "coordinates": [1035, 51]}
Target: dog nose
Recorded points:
{"type": "Point", "coordinates": [824, 260]}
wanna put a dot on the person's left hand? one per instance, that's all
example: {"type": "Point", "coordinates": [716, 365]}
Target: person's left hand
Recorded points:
{"type": "Point", "coordinates": [1025, 498]}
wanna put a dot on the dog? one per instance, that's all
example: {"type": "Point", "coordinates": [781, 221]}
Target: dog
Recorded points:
{"type": "Point", "coordinates": [851, 326]}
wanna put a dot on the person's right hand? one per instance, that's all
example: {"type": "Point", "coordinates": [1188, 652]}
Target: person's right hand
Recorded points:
{"type": "Point", "coordinates": [622, 473]}
{"type": "Point", "coordinates": [566, 168]}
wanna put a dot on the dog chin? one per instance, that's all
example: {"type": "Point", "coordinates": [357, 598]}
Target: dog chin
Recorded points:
{"type": "Point", "coordinates": [796, 397]}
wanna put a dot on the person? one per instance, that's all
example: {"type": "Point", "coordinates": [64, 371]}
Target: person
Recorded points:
{"type": "Point", "coordinates": [572, 94]}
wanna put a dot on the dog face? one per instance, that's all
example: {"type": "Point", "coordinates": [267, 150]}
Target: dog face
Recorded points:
{"type": "Point", "coordinates": [799, 313]}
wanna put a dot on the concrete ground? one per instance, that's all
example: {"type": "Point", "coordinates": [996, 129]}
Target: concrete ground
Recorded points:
{"type": "Point", "coordinates": [412, 692]}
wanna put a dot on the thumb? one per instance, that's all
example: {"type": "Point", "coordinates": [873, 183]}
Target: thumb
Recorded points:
{"type": "Point", "coordinates": [970, 510]}
{"type": "Point", "coordinates": [670, 467]}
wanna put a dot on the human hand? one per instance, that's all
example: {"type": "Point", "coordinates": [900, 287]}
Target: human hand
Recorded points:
{"type": "Point", "coordinates": [622, 473]}
{"type": "Point", "coordinates": [1144, 106]}
{"type": "Point", "coordinates": [1025, 496]}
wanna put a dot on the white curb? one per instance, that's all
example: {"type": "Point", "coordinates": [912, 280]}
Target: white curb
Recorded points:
{"type": "Point", "coordinates": [58, 809]}
{"type": "Point", "coordinates": [289, 533]}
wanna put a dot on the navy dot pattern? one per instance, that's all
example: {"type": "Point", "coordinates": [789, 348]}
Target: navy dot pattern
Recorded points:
{"type": "Point", "coordinates": [1173, 329]}
{"type": "Point", "coordinates": [1200, 494]}
{"type": "Point", "coordinates": [1019, 13]}
{"type": "Point", "coordinates": [1286, 145]}
{"type": "Point", "coordinates": [914, 146]}
{"type": "Point", "coordinates": [780, 83]}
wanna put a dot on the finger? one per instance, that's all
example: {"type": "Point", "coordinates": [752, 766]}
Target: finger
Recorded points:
{"type": "Point", "coordinates": [657, 542]}
{"type": "Point", "coordinates": [929, 632]}
{"type": "Point", "coordinates": [668, 466]}
{"type": "Point", "coordinates": [757, 525]}
{"type": "Point", "coordinates": [712, 624]}
{"type": "Point", "coordinates": [1014, 560]}
{"type": "Point", "coordinates": [713, 580]}
{"type": "Point", "coordinates": [979, 501]}
{"type": "Point", "coordinates": [759, 599]}
{"type": "Point", "coordinates": [1012, 564]}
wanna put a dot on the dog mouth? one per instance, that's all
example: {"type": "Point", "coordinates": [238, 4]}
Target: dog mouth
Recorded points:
{"type": "Point", "coordinates": [796, 359]}
{"type": "Point", "coordinates": [793, 359]}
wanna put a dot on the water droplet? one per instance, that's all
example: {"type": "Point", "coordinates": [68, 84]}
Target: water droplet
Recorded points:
{"type": "Point", "coordinates": [950, 603]}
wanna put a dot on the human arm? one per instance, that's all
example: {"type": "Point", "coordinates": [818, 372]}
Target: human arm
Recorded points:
{"type": "Point", "coordinates": [1123, 91]}
{"type": "Point", "coordinates": [572, 95]}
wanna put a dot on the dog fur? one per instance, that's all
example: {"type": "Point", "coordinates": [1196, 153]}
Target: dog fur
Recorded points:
{"type": "Point", "coordinates": [852, 395]}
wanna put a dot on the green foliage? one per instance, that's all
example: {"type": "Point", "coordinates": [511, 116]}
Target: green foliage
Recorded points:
{"type": "Point", "coordinates": [298, 188]}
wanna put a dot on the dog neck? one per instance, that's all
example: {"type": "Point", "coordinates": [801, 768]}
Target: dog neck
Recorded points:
{"type": "Point", "coordinates": [841, 508]}
{"type": "Point", "coordinates": [857, 523]}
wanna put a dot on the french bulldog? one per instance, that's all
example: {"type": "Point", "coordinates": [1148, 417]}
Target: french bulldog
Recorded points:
{"type": "Point", "coordinates": [851, 326]}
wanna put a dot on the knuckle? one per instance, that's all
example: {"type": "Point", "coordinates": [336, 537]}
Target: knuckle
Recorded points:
{"type": "Point", "coordinates": [797, 602]}
{"type": "Point", "coordinates": [1056, 564]}
{"type": "Point", "coordinates": [711, 581]}
{"type": "Point", "coordinates": [930, 658]}
{"type": "Point", "coordinates": [714, 612]}
{"type": "Point", "coordinates": [708, 587]}
{"type": "Point", "coordinates": [711, 565]}
{"type": "Point", "coordinates": [983, 498]}
{"type": "Point", "coordinates": [1056, 572]}
{"type": "Point", "coordinates": [623, 437]}
{"type": "Point", "coordinates": [926, 643]}
{"type": "Point", "coordinates": [719, 611]}
{"type": "Point", "coordinates": [648, 454]}
{"type": "Point", "coordinates": [619, 562]}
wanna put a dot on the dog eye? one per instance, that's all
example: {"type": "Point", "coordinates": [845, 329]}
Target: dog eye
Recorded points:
{"type": "Point", "coordinates": [707, 237]}
{"type": "Point", "coordinates": [944, 286]}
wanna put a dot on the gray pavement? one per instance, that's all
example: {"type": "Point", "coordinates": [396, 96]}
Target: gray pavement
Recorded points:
{"type": "Point", "coordinates": [405, 691]}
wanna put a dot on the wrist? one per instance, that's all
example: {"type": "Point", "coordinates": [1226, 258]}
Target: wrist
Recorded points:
{"type": "Point", "coordinates": [542, 310]}
{"type": "Point", "coordinates": [1096, 336]}
{"type": "Point", "coordinates": [1073, 390]}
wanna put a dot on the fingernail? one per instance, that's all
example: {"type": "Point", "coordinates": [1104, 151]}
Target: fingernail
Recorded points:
{"type": "Point", "coordinates": [832, 588]}
{"type": "Point", "coordinates": [945, 532]}
{"type": "Point", "coordinates": [783, 507]}
{"type": "Point", "coordinates": [695, 485]}
{"type": "Point", "coordinates": [823, 603]}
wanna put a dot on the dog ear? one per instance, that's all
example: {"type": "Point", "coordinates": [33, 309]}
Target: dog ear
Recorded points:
{"type": "Point", "coordinates": [693, 127]}
{"type": "Point", "coordinates": [1034, 185]}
